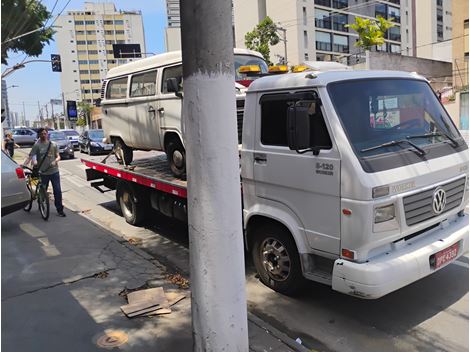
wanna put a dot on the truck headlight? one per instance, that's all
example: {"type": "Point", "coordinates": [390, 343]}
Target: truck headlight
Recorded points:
{"type": "Point", "coordinates": [94, 144]}
{"type": "Point", "coordinates": [386, 213]}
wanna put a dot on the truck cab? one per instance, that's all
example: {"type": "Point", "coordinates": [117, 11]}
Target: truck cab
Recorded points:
{"type": "Point", "coordinates": [356, 179]}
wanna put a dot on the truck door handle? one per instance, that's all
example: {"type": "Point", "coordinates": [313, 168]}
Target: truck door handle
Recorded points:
{"type": "Point", "coordinates": [260, 158]}
{"type": "Point", "coordinates": [161, 110]}
{"type": "Point", "coordinates": [151, 109]}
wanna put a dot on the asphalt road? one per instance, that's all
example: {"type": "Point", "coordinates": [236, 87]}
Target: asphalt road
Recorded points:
{"type": "Point", "coordinates": [429, 315]}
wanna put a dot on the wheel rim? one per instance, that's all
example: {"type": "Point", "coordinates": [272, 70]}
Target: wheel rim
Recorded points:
{"type": "Point", "coordinates": [126, 204]}
{"type": "Point", "coordinates": [43, 203]}
{"type": "Point", "coordinates": [275, 259]}
{"type": "Point", "coordinates": [178, 159]}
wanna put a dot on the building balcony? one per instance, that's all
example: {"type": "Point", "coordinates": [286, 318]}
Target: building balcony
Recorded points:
{"type": "Point", "coordinates": [381, 14]}
{"type": "Point", "coordinates": [323, 46]}
{"type": "Point", "coordinates": [322, 23]}
{"type": "Point", "coordinates": [326, 3]}
{"type": "Point", "coordinates": [340, 48]}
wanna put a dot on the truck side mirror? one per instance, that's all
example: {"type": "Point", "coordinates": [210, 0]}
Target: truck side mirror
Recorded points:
{"type": "Point", "coordinates": [172, 87]}
{"type": "Point", "coordinates": [298, 127]}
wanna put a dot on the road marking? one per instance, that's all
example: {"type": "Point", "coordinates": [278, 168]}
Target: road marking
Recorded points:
{"type": "Point", "coordinates": [77, 181]}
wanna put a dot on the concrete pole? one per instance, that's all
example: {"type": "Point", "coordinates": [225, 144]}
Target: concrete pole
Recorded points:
{"type": "Point", "coordinates": [219, 313]}
{"type": "Point", "coordinates": [64, 104]}
{"type": "Point", "coordinates": [24, 115]}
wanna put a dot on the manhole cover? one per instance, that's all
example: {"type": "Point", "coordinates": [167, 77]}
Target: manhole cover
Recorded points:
{"type": "Point", "coordinates": [112, 338]}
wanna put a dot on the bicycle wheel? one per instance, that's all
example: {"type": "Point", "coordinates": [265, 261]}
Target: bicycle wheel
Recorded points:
{"type": "Point", "coordinates": [28, 206]}
{"type": "Point", "coordinates": [43, 202]}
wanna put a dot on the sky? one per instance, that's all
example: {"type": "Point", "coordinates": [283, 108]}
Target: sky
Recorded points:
{"type": "Point", "coordinates": [37, 83]}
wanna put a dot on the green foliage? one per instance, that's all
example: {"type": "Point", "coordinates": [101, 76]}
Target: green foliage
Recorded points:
{"type": "Point", "coordinates": [262, 36]}
{"type": "Point", "coordinates": [81, 122]}
{"type": "Point", "coordinates": [371, 32]}
{"type": "Point", "coordinates": [19, 17]}
{"type": "Point", "coordinates": [85, 110]}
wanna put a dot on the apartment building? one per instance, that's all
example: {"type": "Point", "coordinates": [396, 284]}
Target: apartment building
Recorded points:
{"type": "Point", "coordinates": [85, 41]}
{"type": "Point", "coordinates": [5, 108]}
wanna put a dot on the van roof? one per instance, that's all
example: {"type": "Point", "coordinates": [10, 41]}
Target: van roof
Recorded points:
{"type": "Point", "coordinates": [164, 59]}
{"type": "Point", "coordinates": [316, 79]}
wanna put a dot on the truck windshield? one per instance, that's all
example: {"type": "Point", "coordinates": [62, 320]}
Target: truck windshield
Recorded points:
{"type": "Point", "coordinates": [246, 60]}
{"type": "Point", "coordinates": [389, 115]}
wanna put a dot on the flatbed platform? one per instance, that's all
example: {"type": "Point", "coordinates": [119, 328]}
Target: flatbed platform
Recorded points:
{"type": "Point", "coordinates": [148, 169]}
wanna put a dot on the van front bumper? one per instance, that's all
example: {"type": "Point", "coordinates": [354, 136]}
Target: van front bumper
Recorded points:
{"type": "Point", "coordinates": [400, 267]}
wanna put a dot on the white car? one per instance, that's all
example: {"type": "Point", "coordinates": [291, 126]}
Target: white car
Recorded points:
{"type": "Point", "coordinates": [15, 194]}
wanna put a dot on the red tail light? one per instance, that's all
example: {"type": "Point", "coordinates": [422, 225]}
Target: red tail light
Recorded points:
{"type": "Point", "coordinates": [245, 82]}
{"type": "Point", "coordinates": [19, 172]}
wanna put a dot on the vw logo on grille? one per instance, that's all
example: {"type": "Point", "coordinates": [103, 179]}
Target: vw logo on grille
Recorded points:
{"type": "Point", "coordinates": [439, 200]}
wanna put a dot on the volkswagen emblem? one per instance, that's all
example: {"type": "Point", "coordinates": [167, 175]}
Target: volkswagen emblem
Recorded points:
{"type": "Point", "coordinates": [439, 200]}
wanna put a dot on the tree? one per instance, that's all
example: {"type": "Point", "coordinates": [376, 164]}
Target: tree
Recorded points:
{"type": "Point", "coordinates": [371, 32]}
{"type": "Point", "coordinates": [23, 16]}
{"type": "Point", "coordinates": [85, 110]}
{"type": "Point", "coordinates": [262, 36]}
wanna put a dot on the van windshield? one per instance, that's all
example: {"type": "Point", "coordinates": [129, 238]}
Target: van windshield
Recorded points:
{"type": "Point", "coordinates": [246, 60]}
{"type": "Point", "coordinates": [389, 115]}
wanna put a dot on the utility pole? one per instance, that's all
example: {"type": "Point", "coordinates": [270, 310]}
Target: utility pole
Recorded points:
{"type": "Point", "coordinates": [24, 115]}
{"type": "Point", "coordinates": [53, 118]}
{"type": "Point", "coordinates": [219, 313]}
{"type": "Point", "coordinates": [64, 104]}
{"type": "Point", "coordinates": [284, 39]}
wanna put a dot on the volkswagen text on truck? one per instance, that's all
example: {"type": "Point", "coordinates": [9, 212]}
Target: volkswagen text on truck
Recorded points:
{"type": "Point", "coordinates": [355, 179]}
{"type": "Point", "coordinates": [141, 112]}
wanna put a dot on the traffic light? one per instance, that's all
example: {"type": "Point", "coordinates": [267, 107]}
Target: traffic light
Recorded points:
{"type": "Point", "coordinates": [56, 64]}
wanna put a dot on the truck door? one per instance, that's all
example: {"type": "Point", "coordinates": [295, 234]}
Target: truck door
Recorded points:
{"type": "Point", "coordinates": [305, 184]}
{"type": "Point", "coordinates": [143, 106]}
{"type": "Point", "coordinates": [170, 106]}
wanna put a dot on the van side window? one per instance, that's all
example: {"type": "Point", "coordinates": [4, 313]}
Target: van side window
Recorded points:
{"type": "Point", "coordinates": [274, 120]}
{"type": "Point", "coordinates": [143, 84]}
{"type": "Point", "coordinates": [117, 88]}
{"type": "Point", "coordinates": [172, 72]}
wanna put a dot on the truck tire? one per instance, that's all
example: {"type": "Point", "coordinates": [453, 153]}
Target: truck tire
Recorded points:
{"type": "Point", "coordinates": [123, 152]}
{"type": "Point", "coordinates": [176, 156]}
{"type": "Point", "coordinates": [277, 260]}
{"type": "Point", "coordinates": [134, 205]}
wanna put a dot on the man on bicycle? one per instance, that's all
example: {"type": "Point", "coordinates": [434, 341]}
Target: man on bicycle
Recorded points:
{"type": "Point", "coordinates": [47, 157]}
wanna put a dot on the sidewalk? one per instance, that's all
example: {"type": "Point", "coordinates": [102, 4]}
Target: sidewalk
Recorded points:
{"type": "Point", "coordinates": [61, 281]}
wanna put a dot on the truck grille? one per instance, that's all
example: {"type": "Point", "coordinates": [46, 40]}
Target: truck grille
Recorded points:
{"type": "Point", "coordinates": [418, 207]}
{"type": "Point", "coordinates": [240, 110]}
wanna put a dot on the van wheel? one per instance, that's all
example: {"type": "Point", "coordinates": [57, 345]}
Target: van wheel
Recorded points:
{"type": "Point", "coordinates": [133, 205]}
{"type": "Point", "coordinates": [176, 156]}
{"type": "Point", "coordinates": [122, 152]}
{"type": "Point", "coordinates": [277, 260]}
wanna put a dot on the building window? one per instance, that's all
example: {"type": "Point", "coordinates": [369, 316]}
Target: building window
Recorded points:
{"type": "Point", "coordinates": [322, 19]}
{"type": "Point", "coordinates": [111, 61]}
{"type": "Point", "coordinates": [82, 62]}
{"type": "Point", "coordinates": [94, 81]}
{"type": "Point", "coordinates": [465, 24]}
{"type": "Point", "coordinates": [118, 22]}
{"type": "Point", "coordinates": [84, 72]}
{"type": "Point", "coordinates": [465, 56]}
{"type": "Point", "coordinates": [117, 88]}
{"type": "Point", "coordinates": [394, 14]}
{"type": "Point", "coordinates": [305, 39]}
{"type": "Point", "coordinates": [382, 47]}
{"type": "Point", "coordinates": [90, 22]}
{"type": "Point", "coordinates": [120, 42]}
{"type": "Point", "coordinates": [120, 62]}
{"type": "Point", "coordinates": [94, 72]}
{"type": "Point", "coordinates": [79, 23]}
{"type": "Point", "coordinates": [440, 33]}
{"type": "Point", "coordinates": [109, 42]}
{"type": "Point", "coordinates": [306, 56]}
{"type": "Point", "coordinates": [340, 4]}
{"type": "Point", "coordinates": [90, 32]}
{"type": "Point", "coordinates": [93, 62]}
{"type": "Point", "coordinates": [439, 2]}
{"type": "Point", "coordinates": [395, 49]}
{"type": "Point", "coordinates": [81, 42]}
{"type": "Point", "coordinates": [394, 34]}
{"type": "Point", "coordinates": [109, 32]}
{"type": "Point", "coordinates": [119, 32]}
{"type": "Point", "coordinates": [304, 15]}
{"type": "Point", "coordinates": [86, 91]}
{"type": "Point", "coordinates": [439, 15]}
{"type": "Point", "coordinates": [81, 52]}
{"type": "Point", "coordinates": [340, 22]}
{"type": "Point", "coordinates": [109, 52]}
{"type": "Point", "coordinates": [80, 32]}
{"type": "Point", "coordinates": [95, 91]}
{"type": "Point", "coordinates": [92, 52]}
{"type": "Point", "coordinates": [340, 43]}
{"type": "Point", "coordinates": [84, 81]}
{"type": "Point", "coordinates": [144, 84]}
{"type": "Point", "coordinates": [323, 41]}
{"type": "Point", "coordinates": [381, 10]}
{"type": "Point", "coordinates": [326, 3]}
{"type": "Point", "coordinates": [89, 42]}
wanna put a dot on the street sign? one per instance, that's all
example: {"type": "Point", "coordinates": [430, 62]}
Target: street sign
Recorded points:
{"type": "Point", "coordinates": [72, 110]}
{"type": "Point", "coordinates": [126, 51]}
{"type": "Point", "coordinates": [56, 102]}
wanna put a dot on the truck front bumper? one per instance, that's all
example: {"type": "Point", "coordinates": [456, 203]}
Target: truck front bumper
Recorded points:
{"type": "Point", "coordinates": [407, 263]}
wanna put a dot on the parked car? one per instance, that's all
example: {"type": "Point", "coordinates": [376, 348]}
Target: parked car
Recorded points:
{"type": "Point", "coordinates": [35, 129]}
{"type": "Point", "coordinates": [73, 136]}
{"type": "Point", "coordinates": [65, 146]}
{"type": "Point", "coordinates": [15, 194]}
{"type": "Point", "coordinates": [91, 142]}
{"type": "Point", "coordinates": [24, 136]}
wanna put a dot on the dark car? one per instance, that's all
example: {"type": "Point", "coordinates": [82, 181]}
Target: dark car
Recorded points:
{"type": "Point", "coordinates": [72, 135]}
{"type": "Point", "coordinates": [91, 142]}
{"type": "Point", "coordinates": [65, 146]}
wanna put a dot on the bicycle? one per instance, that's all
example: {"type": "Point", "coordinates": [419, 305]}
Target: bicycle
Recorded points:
{"type": "Point", "coordinates": [38, 192]}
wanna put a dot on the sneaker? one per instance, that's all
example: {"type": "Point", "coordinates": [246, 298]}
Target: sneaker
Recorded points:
{"type": "Point", "coordinates": [61, 214]}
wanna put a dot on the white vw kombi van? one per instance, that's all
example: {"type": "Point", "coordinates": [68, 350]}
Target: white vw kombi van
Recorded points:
{"type": "Point", "coordinates": [140, 112]}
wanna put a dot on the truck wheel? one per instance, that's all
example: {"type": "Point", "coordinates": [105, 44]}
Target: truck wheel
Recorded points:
{"type": "Point", "coordinates": [122, 152]}
{"type": "Point", "coordinates": [176, 156]}
{"type": "Point", "coordinates": [276, 259]}
{"type": "Point", "coordinates": [133, 206]}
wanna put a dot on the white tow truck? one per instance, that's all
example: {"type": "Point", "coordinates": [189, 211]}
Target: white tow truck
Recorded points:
{"type": "Point", "coordinates": [355, 179]}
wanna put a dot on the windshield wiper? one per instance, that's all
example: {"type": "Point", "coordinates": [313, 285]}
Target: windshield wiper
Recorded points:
{"type": "Point", "coordinates": [421, 152]}
{"type": "Point", "coordinates": [454, 143]}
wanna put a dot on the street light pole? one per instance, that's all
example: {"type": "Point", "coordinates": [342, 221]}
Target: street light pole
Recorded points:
{"type": "Point", "coordinates": [284, 39]}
